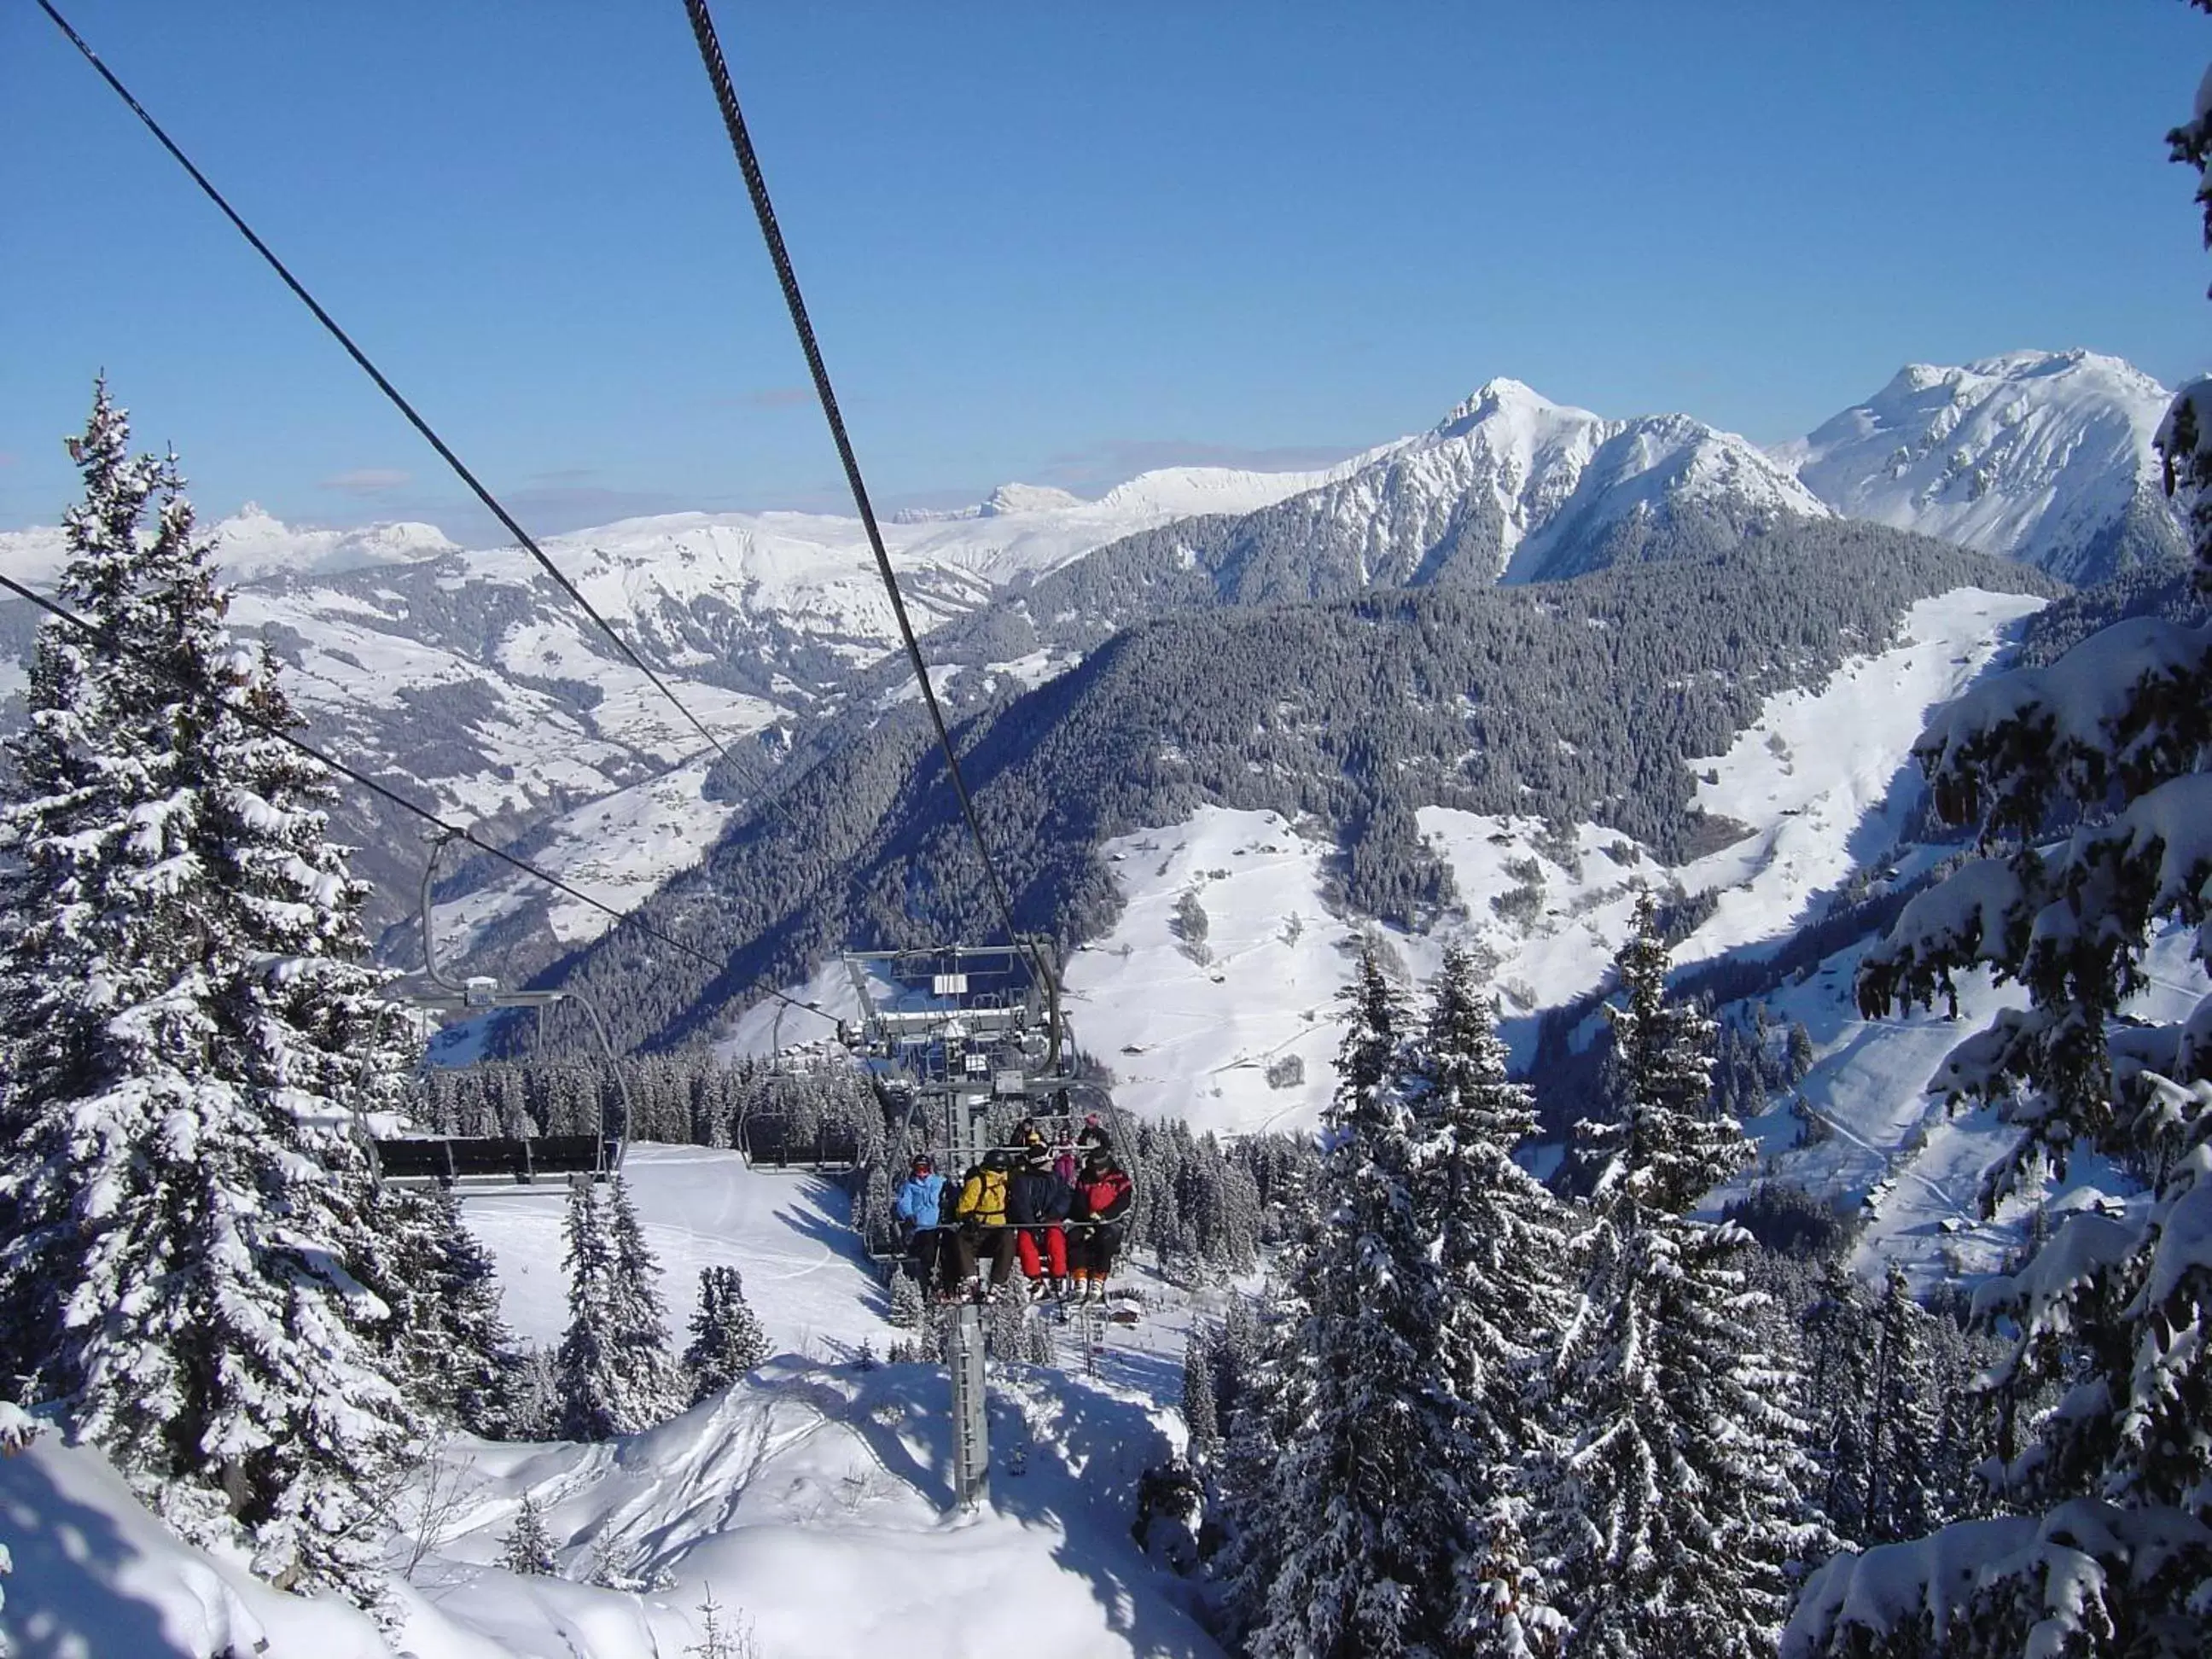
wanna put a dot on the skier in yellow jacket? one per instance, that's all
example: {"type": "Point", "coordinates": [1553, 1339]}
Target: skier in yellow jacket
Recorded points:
{"type": "Point", "coordinates": [981, 1212]}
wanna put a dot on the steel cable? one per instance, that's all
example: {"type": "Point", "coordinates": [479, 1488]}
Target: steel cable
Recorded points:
{"type": "Point", "coordinates": [329, 324]}
{"type": "Point", "coordinates": [726, 97]}
{"type": "Point", "coordinates": [110, 647]}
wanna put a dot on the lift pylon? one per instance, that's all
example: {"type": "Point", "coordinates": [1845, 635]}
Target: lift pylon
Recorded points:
{"type": "Point", "coordinates": [972, 1425]}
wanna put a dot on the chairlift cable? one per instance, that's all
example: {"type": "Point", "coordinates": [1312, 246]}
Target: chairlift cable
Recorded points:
{"type": "Point", "coordinates": [276, 729]}
{"type": "Point", "coordinates": [329, 324]}
{"type": "Point", "coordinates": [725, 96]}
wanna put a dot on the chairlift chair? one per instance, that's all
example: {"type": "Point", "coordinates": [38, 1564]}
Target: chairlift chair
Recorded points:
{"type": "Point", "coordinates": [765, 1135]}
{"type": "Point", "coordinates": [973, 1051]}
{"type": "Point", "coordinates": [499, 1164]}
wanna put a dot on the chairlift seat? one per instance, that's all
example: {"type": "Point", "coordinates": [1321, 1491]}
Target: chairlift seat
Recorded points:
{"type": "Point", "coordinates": [480, 1162]}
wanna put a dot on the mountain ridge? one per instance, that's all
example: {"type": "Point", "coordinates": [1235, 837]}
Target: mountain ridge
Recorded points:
{"type": "Point", "coordinates": [2039, 456]}
{"type": "Point", "coordinates": [467, 674]}
{"type": "Point", "coordinates": [1583, 698]}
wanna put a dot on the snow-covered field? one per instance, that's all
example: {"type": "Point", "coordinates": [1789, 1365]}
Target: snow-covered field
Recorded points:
{"type": "Point", "coordinates": [787, 1232]}
{"type": "Point", "coordinates": [618, 848]}
{"type": "Point", "coordinates": [810, 1498]}
{"type": "Point", "coordinates": [1190, 1029]}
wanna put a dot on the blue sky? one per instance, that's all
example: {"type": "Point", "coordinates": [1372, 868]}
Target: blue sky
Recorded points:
{"type": "Point", "coordinates": [1051, 242]}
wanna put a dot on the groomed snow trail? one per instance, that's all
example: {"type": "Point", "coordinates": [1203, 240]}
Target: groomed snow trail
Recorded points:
{"type": "Point", "coordinates": [787, 1232]}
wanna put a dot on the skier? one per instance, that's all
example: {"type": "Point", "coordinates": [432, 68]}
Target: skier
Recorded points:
{"type": "Point", "coordinates": [1103, 1196]}
{"type": "Point", "coordinates": [1038, 1203]}
{"type": "Point", "coordinates": [920, 1204]}
{"type": "Point", "coordinates": [981, 1209]}
{"type": "Point", "coordinates": [1092, 1137]}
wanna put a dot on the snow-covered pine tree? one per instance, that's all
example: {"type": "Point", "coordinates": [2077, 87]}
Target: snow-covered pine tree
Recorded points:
{"type": "Point", "coordinates": [1677, 1510]}
{"type": "Point", "coordinates": [1801, 1059]}
{"type": "Point", "coordinates": [724, 1633]}
{"type": "Point", "coordinates": [1841, 1343]}
{"type": "Point", "coordinates": [1235, 1351]}
{"type": "Point", "coordinates": [872, 1217]}
{"type": "Point", "coordinates": [727, 1337]}
{"type": "Point", "coordinates": [1265, 1375]}
{"type": "Point", "coordinates": [1366, 1498]}
{"type": "Point", "coordinates": [533, 1393]}
{"type": "Point", "coordinates": [609, 1567]}
{"type": "Point", "coordinates": [1664, 1139]}
{"type": "Point", "coordinates": [1965, 1413]}
{"type": "Point", "coordinates": [1377, 1023]}
{"type": "Point", "coordinates": [908, 1307]}
{"type": "Point", "coordinates": [528, 1547]}
{"type": "Point", "coordinates": [1038, 1346]}
{"type": "Point", "coordinates": [450, 1348]}
{"type": "Point", "coordinates": [18, 1429]}
{"type": "Point", "coordinates": [190, 1028]}
{"type": "Point", "coordinates": [1902, 1499]}
{"type": "Point", "coordinates": [1005, 1331]}
{"type": "Point", "coordinates": [2090, 784]}
{"type": "Point", "coordinates": [593, 1400]}
{"type": "Point", "coordinates": [1502, 1244]}
{"type": "Point", "coordinates": [1262, 1389]}
{"type": "Point", "coordinates": [1199, 1415]}
{"type": "Point", "coordinates": [653, 1388]}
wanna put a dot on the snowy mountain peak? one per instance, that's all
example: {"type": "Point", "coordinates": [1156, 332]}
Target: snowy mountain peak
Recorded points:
{"type": "Point", "coordinates": [254, 543]}
{"type": "Point", "coordinates": [1533, 484]}
{"type": "Point", "coordinates": [1502, 395]}
{"type": "Point", "coordinates": [2039, 456]}
{"type": "Point", "coordinates": [1027, 498]}
{"type": "Point", "coordinates": [2089, 373]}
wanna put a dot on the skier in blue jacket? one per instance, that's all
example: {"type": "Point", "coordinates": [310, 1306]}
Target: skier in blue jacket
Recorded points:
{"type": "Point", "coordinates": [920, 1204]}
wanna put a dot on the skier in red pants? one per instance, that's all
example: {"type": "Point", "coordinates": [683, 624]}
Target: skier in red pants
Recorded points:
{"type": "Point", "coordinates": [1037, 1202]}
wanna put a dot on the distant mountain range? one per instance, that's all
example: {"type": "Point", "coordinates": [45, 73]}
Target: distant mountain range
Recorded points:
{"type": "Point", "coordinates": [467, 677]}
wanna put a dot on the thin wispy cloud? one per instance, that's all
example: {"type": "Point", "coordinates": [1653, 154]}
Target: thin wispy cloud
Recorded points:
{"type": "Point", "coordinates": [366, 480]}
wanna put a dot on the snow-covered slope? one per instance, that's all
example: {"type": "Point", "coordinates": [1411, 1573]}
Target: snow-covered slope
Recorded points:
{"type": "Point", "coordinates": [1237, 1033]}
{"type": "Point", "coordinates": [809, 1499]}
{"type": "Point", "coordinates": [2043, 457]}
{"type": "Point", "coordinates": [471, 678]}
{"type": "Point", "coordinates": [1862, 1130]}
{"type": "Point", "coordinates": [1821, 784]}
